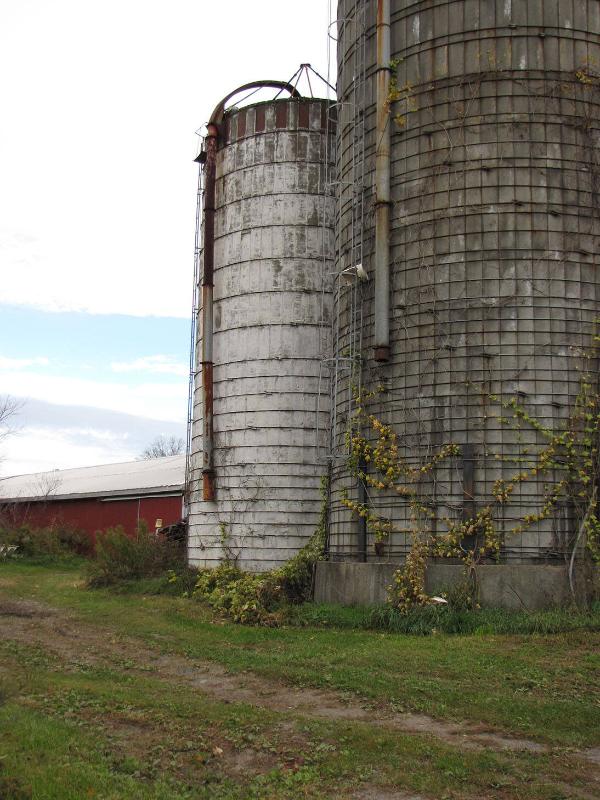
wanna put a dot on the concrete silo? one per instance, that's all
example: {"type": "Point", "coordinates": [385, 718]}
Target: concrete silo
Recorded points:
{"type": "Point", "coordinates": [261, 400]}
{"type": "Point", "coordinates": [470, 131]}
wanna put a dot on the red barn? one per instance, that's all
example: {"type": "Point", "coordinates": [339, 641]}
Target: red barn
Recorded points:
{"type": "Point", "coordinates": [95, 498]}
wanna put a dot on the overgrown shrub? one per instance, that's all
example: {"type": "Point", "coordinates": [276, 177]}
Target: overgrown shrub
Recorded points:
{"type": "Point", "coordinates": [256, 599]}
{"type": "Point", "coordinates": [119, 557]}
{"type": "Point", "coordinates": [246, 598]}
{"type": "Point", "coordinates": [55, 541]}
{"type": "Point", "coordinates": [262, 599]}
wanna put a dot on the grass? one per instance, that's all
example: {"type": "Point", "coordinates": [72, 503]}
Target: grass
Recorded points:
{"type": "Point", "coordinates": [543, 686]}
{"type": "Point", "coordinates": [75, 731]}
{"type": "Point", "coordinates": [441, 619]}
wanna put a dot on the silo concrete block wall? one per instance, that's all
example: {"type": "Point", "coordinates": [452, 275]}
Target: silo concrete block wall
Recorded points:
{"type": "Point", "coordinates": [495, 226]}
{"type": "Point", "coordinates": [272, 318]}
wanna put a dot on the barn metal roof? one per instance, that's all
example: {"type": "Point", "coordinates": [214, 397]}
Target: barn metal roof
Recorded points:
{"type": "Point", "coordinates": [130, 478]}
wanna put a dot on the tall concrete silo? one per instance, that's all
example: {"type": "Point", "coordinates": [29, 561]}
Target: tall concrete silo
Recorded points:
{"type": "Point", "coordinates": [479, 136]}
{"type": "Point", "coordinates": [261, 400]}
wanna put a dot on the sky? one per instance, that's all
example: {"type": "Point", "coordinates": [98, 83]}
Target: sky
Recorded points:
{"type": "Point", "coordinates": [100, 103]}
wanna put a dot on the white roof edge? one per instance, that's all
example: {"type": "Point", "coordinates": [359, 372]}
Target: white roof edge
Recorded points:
{"type": "Point", "coordinates": [153, 476]}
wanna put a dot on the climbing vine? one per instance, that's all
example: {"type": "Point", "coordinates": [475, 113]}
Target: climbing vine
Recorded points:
{"type": "Point", "coordinates": [397, 94]}
{"type": "Point", "coordinates": [567, 462]}
{"type": "Point", "coordinates": [563, 463]}
{"type": "Point", "coordinates": [262, 598]}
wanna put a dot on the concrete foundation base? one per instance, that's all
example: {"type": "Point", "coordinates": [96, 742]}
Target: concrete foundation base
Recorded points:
{"type": "Point", "coordinates": [510, 586]}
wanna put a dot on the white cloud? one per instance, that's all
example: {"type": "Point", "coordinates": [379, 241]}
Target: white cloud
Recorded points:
{"type": "Point", "coordinates": [158, 364]}
{"type": "Point", "coordinates": [22, 363]}
{"type": "Point", "coordinates": [58, 437]}
{"type": "Point", "coordinates": [37, 449]}
{"type": "Point", "coordinates": [106, 223]}
{"type": "Point", "coordinates": [162, 401]}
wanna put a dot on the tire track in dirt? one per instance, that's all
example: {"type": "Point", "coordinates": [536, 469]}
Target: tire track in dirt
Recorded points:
{"type": "Point", "coordinates": [79, 642]}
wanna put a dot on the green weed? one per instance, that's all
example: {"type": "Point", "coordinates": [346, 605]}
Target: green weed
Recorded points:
{"type": "Point", "coordinates": [119, 557]}
{"type": "Point", "coordinates": [46, 544]}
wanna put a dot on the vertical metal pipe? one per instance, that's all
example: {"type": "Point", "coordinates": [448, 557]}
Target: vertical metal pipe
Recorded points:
{"type": "Point", "coordinates": [210, 169]}
{"type": "Point", "coordinates": [187, 488]}
{"type": "Point", "coordinates": [382, 185]}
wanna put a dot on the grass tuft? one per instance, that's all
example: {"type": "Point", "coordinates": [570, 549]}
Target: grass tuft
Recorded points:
{"type": "Point", "coordinates": [429, 620]}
